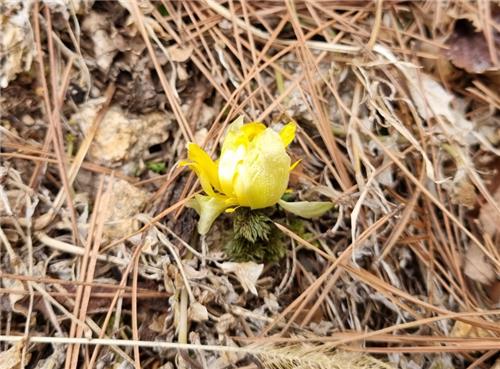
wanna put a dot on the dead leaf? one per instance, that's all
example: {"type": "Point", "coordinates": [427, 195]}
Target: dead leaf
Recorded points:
{"type": "Point", "coordinates": [15, 285]}
{"type": "Point", "coordinates": [477, 267]}
{"type": "Point", "coordinates": [462, 190]}
{"type": "Point", "coordinates": [465, 330]}
{"type": "Point", "coordinates": [194, 274]}
{"type": "Point", "coordinates": [198, 312]}
{"type": "Point", "coordinates": [432, 100]}
{"type": "Point", "coordinates": [247, 273]}
{"type": "Point", "coordinates": [11, 359]}
{"type": "Point", "coordinates": [489, 217]}
{"type": "Point", "coordinates": [107, 41]}
{"type": "Point", "coordinates": [158, 323]}
{"type": "Point", "coordinates": [442, 362]}
{"type": "Point", "coordinates": [55, 360]}
{"type": "Point", "coordinates": [468, 49]}
{"type": "Point", "coordinates": [225, 323]}
{"type": "Point", "coordinates": [67, 7]}
{"type": "Point", "coordinates": [494, 291]}
{"type": "Point", "coordinates": [180, 54]}
{"type": "Point", "coordinates": [16, 44]}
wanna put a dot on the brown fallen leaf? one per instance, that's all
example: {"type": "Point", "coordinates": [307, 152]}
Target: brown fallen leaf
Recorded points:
{"type": "Point", "coordinates": [180, 54]}
{"type": "Point", "coordinates": [465, 330]}
{"type": "Point", "coordinates": [468, 49]}
{"type": "Point", "coordinates": [489, 217]}
{"type": "Point", "coordinates": [16, 44]}
{"type": "Point", "coordinates": [477, 267]}
{"type": "Point", "coordinates": [494, 292]}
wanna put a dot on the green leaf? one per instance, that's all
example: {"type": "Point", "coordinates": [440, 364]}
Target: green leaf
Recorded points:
{"type": "Point", "coordinates": [208, 208]}
{"type": "Point", "coordinates": [156, 167]}
{"type": "Point", "coordinates": [307, 209]}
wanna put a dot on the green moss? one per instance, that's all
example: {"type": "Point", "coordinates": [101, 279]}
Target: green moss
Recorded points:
{"type": "Point", "coordinates": [298, 226]}
{"type": "Point", "coordinates": [251, 225]}
{"type": "Point", "coordinates": [156, 167]}
{"type": "Point", "coordinates": [255, 238]}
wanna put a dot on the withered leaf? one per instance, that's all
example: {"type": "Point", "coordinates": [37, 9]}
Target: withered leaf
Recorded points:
{"type": "Point", "coordinates": [469, 50]}
{"type": "Point", "coordinates": [477, 267]}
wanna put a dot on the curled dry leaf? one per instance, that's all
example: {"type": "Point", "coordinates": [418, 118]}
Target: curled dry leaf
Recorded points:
{"type": "Point", "coordinates": [489, 217]}
{"type": "Point", "coordinates": [432, 100]}
{"type": "Point", "coordinates": [68, 7]}
{"type": "Point", "coordinates": [429, 96]}
{"type": "Point", "coordinates": [468, 48]}
{"type": "Point", "coordinates": [465, 330]}
{"type": "Point", "coordinates": [180, 54]}
{"type": "Point", "coordinates": [198, 312]}
{"type": "Point", "coordinates": [55, 360]}
{"type": "Point", "coordinates": [11, 359]}
{"type": "Point", "coordinates": [17, 285]}
{"type": "Point", "coordinates": [107, 42]}
{"type": "Point", "coordinates": [194, 274]}
{"type": "Point", "coordinates": [247, 273]}
{"type": "Point", "coordinates": [225, 323]}
{"type": "Point", "coordinates": [462, 190]}
{"type": "Point", "coordinates": [477, 266]}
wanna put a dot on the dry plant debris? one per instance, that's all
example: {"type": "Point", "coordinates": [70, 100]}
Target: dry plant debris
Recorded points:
{"type": "Point", "coordinates": [396, 106]}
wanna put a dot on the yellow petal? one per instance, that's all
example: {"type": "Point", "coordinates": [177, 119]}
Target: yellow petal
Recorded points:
{"type": "Point", "coordinates": [200, 157]}
{"type": "Point", "coordinates": [209, 208]}
{"type": "Point", "coordinates": [232, 134]}
{"type": "Point", "coordinates": [287, 133]}
{"type": "Point", "coordinates": [204, 167]}
{"type": "Point", "coordinates": [262, 177]}
{"type": "Point", "coordinates": [236, 124]}
{"type": "Point", "coordinates": [294, 165]}
{"type": "Point", "coordinates": [241, 134]}
{"type": "Point", "coordinates": [202, 176]}
{"type": "Point", "coordinates": [307, 209]}
{"type": "Point", "coordinates": [229, 161]}
{"type": "Point", "coordinates": [252, 130]}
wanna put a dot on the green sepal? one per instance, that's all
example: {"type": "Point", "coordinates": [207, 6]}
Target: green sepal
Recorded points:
{"type": "Point", "coordinates": [307, 209]}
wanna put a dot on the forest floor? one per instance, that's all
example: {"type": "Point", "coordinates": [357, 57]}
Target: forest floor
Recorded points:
{"type": "Point", "coordinates": [397, 112]}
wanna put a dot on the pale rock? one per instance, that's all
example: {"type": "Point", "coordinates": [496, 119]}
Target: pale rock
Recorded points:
{"type": "Point", "coordinates": [124, 203]}
{"type": "Point", "coordinates": [122, 139]}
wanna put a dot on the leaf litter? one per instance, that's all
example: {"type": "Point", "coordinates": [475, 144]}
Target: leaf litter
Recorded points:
{"type": "Point", "coordinates": [397, 111]}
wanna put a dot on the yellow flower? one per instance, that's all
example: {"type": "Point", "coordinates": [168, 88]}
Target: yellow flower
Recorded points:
{"type": "Point", "coordinates": [252, 171]}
